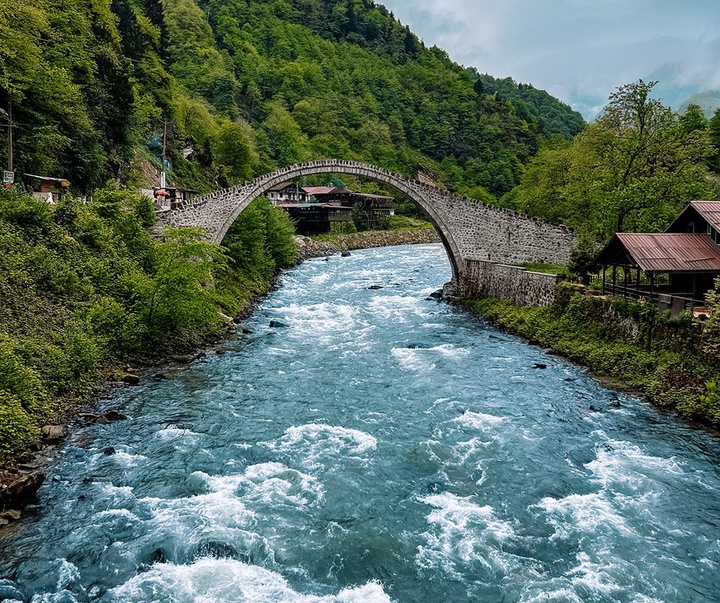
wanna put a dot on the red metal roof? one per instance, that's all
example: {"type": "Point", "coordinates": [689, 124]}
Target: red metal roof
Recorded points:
{"type": "Point", "coordinates": [369, 196]}
{"type": "Point", "coordinates": [672, 252]}
{"type": "Point", "coordinates": [710, 210]}
{"type": "Point", "coordinates": [325, 190]}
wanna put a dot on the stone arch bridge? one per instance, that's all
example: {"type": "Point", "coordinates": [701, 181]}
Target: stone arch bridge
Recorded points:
{"type": "Point", "coordinates": [470, 230]}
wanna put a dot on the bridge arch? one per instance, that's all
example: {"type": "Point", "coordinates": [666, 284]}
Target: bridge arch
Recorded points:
{"type": "Point", "coordinates": [471, 231]}
{"type": "Point", "coordinates": [259, 186]}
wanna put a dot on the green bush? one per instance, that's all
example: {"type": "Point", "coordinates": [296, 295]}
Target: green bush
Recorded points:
{"type": "Point", "coordinates": [706, 405]}
{"type": "Point", "coordinates": [16, 427]}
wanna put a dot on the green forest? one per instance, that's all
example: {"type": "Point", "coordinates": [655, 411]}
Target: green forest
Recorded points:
{"type": "Point", "coordinates": [246, 87]}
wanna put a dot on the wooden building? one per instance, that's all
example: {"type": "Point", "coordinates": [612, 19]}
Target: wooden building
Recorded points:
{"type": "Point", "coordinates": [375, 208]}
{"type": "Point", "coordinates": [674, 269]}
{"type": "Point", "coordinates": [170, 197]}
{"type": "Point", "coordinates": [699, 217]}
{"type": "Point", "coordinates": [316, 218]}
{"type": "Point", "coordinates": [51, 188]}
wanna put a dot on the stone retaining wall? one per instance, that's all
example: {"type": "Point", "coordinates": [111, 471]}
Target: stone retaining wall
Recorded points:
{"type": "Point", "coordinates": [310, 248]}
{"type": "Point", "coordinates": [484, 279]}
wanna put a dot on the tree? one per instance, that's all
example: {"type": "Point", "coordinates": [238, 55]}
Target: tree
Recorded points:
{"type": "Point", "coordinates": [632, 170]}
{"type": "Point", "coordinates": [714, 136]}
{"type": "Point", "coordinates": [692, 120]}
{"type": "Point", "coordinates": [174, 298]}
{"type": "Point", "coordinates": [237, 151]}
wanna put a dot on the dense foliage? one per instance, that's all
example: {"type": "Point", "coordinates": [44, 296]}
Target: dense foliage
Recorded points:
{"type": "Point", "coordinates": [86, 286]}
{"type": "Point", "coordinates": [239, 87]}
{"type": "Point", "coordinates": [532, 105]}
{"type": "Point", "coordinates": [633, 170]}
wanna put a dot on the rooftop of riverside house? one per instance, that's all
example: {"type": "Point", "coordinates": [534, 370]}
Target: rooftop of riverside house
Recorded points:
{"type": "Point", "coordinates": [663, 252]}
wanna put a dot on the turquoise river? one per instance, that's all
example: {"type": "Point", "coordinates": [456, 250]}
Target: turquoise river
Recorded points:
{"type": "Point", "coordinates": [374, 445]}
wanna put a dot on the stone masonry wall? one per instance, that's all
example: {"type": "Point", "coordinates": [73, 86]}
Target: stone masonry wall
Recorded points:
{"type": "Point", "coordinates": [469, 229]}
{"type": "Point", "coordinates": [499, 281]}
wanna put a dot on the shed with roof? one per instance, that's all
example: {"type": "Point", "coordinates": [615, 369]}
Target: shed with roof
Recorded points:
{"type": "Point", "coordinates": [675, 268]}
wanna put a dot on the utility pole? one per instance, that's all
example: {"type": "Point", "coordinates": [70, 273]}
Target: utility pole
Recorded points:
{"type": "Point", "coordinates": [163, 182]}
{"type": "Point", "coordinates": [9, 174]}
{"type": "Point", "coordinates": [11, 125]}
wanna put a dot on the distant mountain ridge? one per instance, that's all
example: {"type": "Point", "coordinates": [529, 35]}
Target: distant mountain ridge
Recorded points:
{"type": "Point", "coordinates": [240, 87]}
{"type": "Point", "coordinates": [708, 101]}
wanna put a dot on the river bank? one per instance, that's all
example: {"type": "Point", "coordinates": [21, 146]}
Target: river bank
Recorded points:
{"type": "Point", "coordinates": [668, 362]}
{"type": "Point", "coordinates": [309, 247]}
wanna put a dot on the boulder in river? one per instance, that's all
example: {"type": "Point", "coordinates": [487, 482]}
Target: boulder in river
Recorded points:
{"type": "Point", "coordinates": [131, 379]}
{"type": "Point", "coordinates": [114, 415]}
{"type": "Point", "coordinates": [20, 489]}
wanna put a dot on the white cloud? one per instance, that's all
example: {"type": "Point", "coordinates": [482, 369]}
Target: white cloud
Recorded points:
{"type": "Point", "coordinates": [578, 50]}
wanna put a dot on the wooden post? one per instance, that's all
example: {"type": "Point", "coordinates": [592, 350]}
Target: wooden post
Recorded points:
{"type": "Point", "coordinates": [625, 280]}
{"type": "Point", "coordinates": [10, 138]}
{"type": "Point", "coordinates": [604, 269]}
{"type": "Point", "coordinates": [614, 279]}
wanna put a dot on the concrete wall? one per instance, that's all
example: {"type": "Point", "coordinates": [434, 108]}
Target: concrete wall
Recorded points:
{"type": "Point", "coordinates": [482, 279]}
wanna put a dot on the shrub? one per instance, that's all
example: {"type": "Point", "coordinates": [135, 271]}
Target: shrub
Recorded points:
{"type": "Point", "coordinates": [16, 427]}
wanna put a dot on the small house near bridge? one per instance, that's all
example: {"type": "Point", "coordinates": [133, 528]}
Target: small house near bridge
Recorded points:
{"type": "Point", "coordinates": [673, 269]}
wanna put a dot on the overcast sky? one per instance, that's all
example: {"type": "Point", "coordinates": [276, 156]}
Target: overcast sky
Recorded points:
{"type": "Point", "coordinates": [578, 50]}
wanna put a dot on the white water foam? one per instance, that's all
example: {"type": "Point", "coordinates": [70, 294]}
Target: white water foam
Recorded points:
{"type": "Point", "coordinates": [210, 580]}
{"type": "Point", "coordinates": [585, 513]}
{"type": "Point", "coordinates": [421, 359]}
{"type": "Point", "coordinates": [478, 420]}
{"type": "Point", "coordinates": [625, 463]}
{"type": "Point", "coordinates": [463, 533]}
{"type": "Point", "coordinates": [397, 307]}
{"type": "Point", "coordinates": [323, 320]}
{"type": "Point", "coordinates": [313, 441]}
{"type": "Point", "coordinates": [177, 434]}
{"type": "Point", "coordinates": [412, 359]}
{"type": "Point", "coordinates": [232, 510]}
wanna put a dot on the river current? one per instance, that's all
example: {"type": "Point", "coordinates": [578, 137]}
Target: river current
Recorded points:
{"type": "Point", "coordinates": [374, 446]}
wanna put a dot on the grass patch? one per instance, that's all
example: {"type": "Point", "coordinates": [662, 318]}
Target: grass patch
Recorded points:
{"type": "Point", "coordinates": [407, 223]}
{"type": "Point", "coordinates": [546, 268]}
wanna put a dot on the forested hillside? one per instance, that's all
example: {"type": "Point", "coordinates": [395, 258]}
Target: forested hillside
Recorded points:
{"type": "Point", "coordinates": [632, 170]}
{"type": "Point", "coordinates": [247, 86]}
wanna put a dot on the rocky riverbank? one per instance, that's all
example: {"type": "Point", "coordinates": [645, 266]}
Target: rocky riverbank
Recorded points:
{"type": "Point", "coordinates": [312, 248]}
